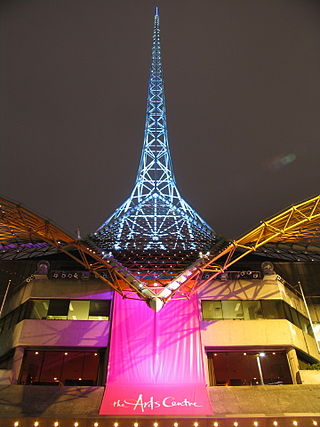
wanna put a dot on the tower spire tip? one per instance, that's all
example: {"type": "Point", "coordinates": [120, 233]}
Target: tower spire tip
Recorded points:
{"type": "Point", "coordinates": [156, 11]}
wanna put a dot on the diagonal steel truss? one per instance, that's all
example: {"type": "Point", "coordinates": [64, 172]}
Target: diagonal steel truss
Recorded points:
{"type": "Point", "coordinates": [19, 225]}
{"type": "Point", "coordinates": [155, 216]}
{"type": "Point", "coordinates": [299, 223]}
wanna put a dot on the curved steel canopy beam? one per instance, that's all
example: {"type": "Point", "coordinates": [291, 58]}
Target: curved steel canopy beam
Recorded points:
{"type": "Point", "coordinates": [20, 225]}
{"type": "Point", "coordinates": [299, 223]}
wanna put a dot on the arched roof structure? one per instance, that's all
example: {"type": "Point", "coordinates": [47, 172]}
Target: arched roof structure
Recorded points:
{"type": "Point", "coordinates": [20, 227]}
{"type": "Point", "coordinates": [297, 226]}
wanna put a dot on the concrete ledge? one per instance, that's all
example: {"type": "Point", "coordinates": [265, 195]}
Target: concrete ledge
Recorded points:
{"type": "Point", "coordinates": [309, 377]}
{"type": "Point", "coordinates": [49, 401]}
{"type": "Point", "coordinates": [277, 400]}
{"type": "Point", "coordinates": [84, 402]}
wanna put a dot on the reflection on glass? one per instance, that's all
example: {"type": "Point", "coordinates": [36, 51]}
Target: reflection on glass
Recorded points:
{"type": "Point", "coordinates": [252, 310]}
{"type": "Point", "coordinates": [211, 310]}
{"type": "Point", "coordinates": [60, 367]}
{"type": "Point", "coordinates": [241, 368]}
{"type": "Point", "coordinates": [39, 309]}
{"type": "Point", "coordinates": [232, 310]}
{"type": "Point", "coordinates": [99, 310]}
{"type": "Point", "coordinates": [272, 309]}
{"type": "Point", "coordinates": [51, 366]}
{"type": "Point", "coordinates": [295, 317]}
{"type": "Point", "coordinates": [304, 323]}
{"type": "Point", "coordinates": [78, 310]}
{"type": "Point", "coordinates": [287, 313]}
{"type": "Point", "coordinates": [58, 309]}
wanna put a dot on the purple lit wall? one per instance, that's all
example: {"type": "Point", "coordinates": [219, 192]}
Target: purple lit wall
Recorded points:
{"type": "Point", "coordinates": [156, 360]}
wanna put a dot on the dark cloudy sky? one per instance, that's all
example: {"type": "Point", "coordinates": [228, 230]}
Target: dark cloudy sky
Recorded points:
{"type": "Point", "coordinates": [243, 100]}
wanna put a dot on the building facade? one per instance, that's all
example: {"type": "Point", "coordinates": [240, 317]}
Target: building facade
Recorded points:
{"type": "Point", "coordinates": [159, 321]}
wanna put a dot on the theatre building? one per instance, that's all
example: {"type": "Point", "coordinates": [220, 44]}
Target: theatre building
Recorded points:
{"type": "Point", "coordinates": [155, 319]}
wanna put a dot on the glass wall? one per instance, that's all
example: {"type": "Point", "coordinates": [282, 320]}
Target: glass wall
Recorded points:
{"type": "Point", "coordinates": [242, 368]}
{"type": "Point", "coordinates": [250, 310]}
{"type": "Point", "coordinates": [78, 310]}
{"type": "Point", "coordinates": [60, 367]}
{"type": "Point", "coordinates": [57, 309]}
{"type": "Point", "coordinates": [38, 309]}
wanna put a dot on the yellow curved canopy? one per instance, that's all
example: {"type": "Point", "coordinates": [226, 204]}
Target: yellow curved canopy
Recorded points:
{"type": "Point", "coordinates": [299, 224]}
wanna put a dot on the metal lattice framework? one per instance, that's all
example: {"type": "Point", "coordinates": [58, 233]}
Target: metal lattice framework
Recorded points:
{"type": "Point", "coordinates": [155, 216]}
{"type": "Point", "coordinates": [20, 227]}
{"type": "Point", "coordinates": [299, 224]}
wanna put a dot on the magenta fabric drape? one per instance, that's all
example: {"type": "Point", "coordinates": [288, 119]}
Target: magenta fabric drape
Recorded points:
{"type": "Point", "coordinates": [156, 360]}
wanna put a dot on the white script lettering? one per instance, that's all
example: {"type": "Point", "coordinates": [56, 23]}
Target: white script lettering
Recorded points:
{"type": "Point", "coordinates": [141, 404]}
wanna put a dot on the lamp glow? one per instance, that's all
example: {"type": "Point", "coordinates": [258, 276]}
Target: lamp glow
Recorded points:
{"type": "Point", "coordinates": [275, 423]}
{"type": "Point", "coordinates": [115, 424]}
{"type": "Point", "coordinates": [76, 424]}
{"type": "Point", "coordinates": [36, 423]}
{"type": "Point", "coordinates": [195, 424]}
{"type": "Point", "coordinates": [255, 423]}
{"type": "Point", "coordinates": [56, 424]}
{"type": "Point", "coordinates": [295, 423]}
{"type": "Point", "coordinates": [236, 424]}
{"type": "Point", "coordinates": [155, 424]}
{"type": "Point", "coordinates": [135, 424]}
{"type": "Point", "coordinates": [175, 424]}
{"type": "Point", "coordinates": [16, 424]}
{"type": "Point", "coordinates": [315, 423]}
{"type": "Point", "coordinates": [96, 424]}
{"type": "Point", "coordinates": [215, 424]}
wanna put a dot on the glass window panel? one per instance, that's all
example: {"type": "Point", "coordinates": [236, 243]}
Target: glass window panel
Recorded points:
{"type": "Point", "coordinates": [59, 367]}
{"type": "Point", "coordinates": [211, 310]}
{"type": "Point", "coordinates": [22, 312]}
{"type": "Point", "coordinates": [72, 367]}
{"type": "Point", "coordinates": [287, 312]}
{"type": "Point", "coordinates": [78, 310]}
{"type": "Point", "coordinates": [275, 368]}
{"type": "Point", "coordinates": [58, 309]}
{"type": "Point", "coordinates": [241, 368]}
{"type": "Point", "coordinates": [304, 322]}
{"type": "Point", "coordinates": [99, 310]}
{"type": "Point", "coordinates": [232, 309]}
{"type": "Point", "coordinates": [51, 367]}
{"type": "Point", "coordinates": [295, 317]}
{"type": "Point", "coordinates": [235, 369]}
{"type": "Point", "coordinates": [31, 367]}
{"type": "Point", "coordinates": [272, 309]}
{"type": "Point", "coordinates": [38, 309]}
{"type": "Point", "coordinates": [90, 368]}
{"type": "Point", "coordinates": [252, 310]}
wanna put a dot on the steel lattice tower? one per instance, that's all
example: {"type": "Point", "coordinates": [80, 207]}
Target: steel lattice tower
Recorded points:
{"type": "Point", "coordinates": [155, 216]}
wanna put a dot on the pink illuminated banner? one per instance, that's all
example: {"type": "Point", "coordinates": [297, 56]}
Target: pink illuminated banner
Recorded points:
{"type": "Point", "coordinates": [156, 360]}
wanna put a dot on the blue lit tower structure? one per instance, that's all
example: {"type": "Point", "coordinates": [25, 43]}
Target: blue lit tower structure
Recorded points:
{"type": "Point", "coordinates": [155, 218]}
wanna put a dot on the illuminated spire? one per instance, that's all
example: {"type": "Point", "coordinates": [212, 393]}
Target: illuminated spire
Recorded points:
{"type": "Point", "coordinates": [155, 216]}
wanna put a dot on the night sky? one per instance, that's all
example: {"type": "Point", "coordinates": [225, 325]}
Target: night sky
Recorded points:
{"type": "Point", "coordinates": [243, 102]}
